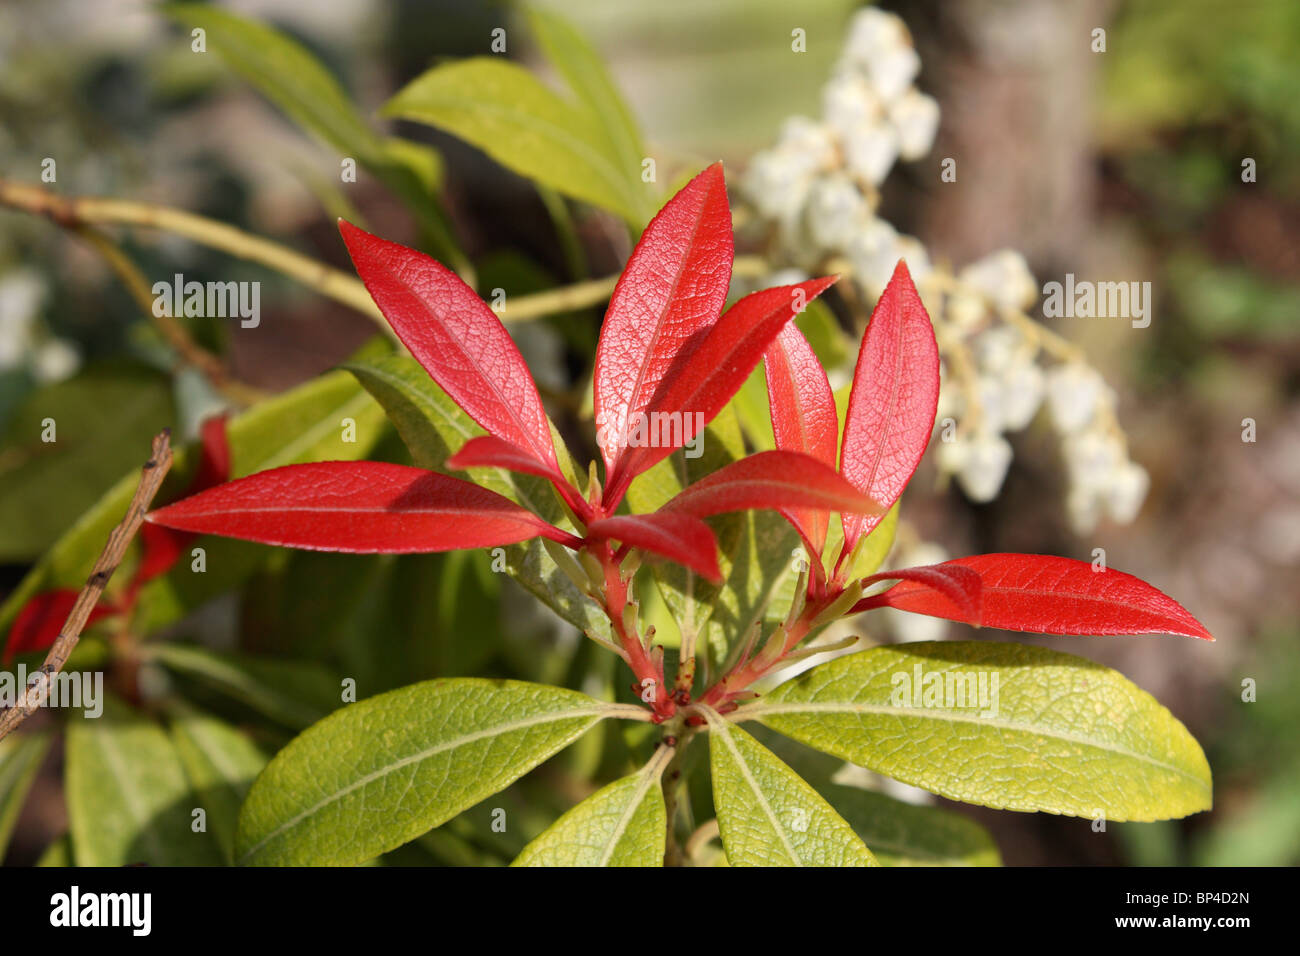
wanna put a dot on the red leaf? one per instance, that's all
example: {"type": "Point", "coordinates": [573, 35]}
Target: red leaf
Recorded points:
{"type": "Point", "coordinates": [961, 585]}
{"type": "Point", "coordinates": [674, 535]}
{"type": "Point", "coordinates": [668, 297]}
{"type": "Point", "coordinates": [214, 457]}
{"type": "Point", "coordinates": [771, 479]}
{"type": "Point", "coordinates": [803, 417]}
{"type": "Point", "coordinates": [363, 507]}
{"type": "Point", "coordinates": [893, 400]}
{"type": "Point", "coordinates": [1050, 595]}
{"type": "Point", "coordinates": [162, 547]}
{"type": "Point", "coordinates": [459, 340]}
{"type": "Point", "coordinates": [696, 389]}
{"type": "Point", "coordinates": [38, 624]}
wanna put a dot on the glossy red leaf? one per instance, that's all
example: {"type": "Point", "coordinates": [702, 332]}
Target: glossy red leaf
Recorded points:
{"type": "Point", "coordinates": [488, 451]}
{"type": "Point", "coordinates": [771, 479]}
{"type": "Point", "coordinates": [960, 585]}
{"type": "Point", "coordinates": [674, 535]}
{"type": "Point", "coordinates": [38, 624]}
{"type": "Point", "coordinates": [694, 392]}
{"type": "Point", "coordinates": [363, 507]}
{"type": "Point", "coordinates": [803, 417]}
{"type": "Point", "coordinates": [1044, 594]}
{"type": "Point", "coordinates": [668, 297]}
{"type": "Point", "coordinates": [459, 340]}
{"type": "Point", "coordinates": [893, 400]}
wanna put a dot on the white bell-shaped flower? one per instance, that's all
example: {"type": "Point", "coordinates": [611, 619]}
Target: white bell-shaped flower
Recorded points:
{"type": "Point", "coordinates": [987, 461]}
{"type": "Point", "coordinates": [916, 117]}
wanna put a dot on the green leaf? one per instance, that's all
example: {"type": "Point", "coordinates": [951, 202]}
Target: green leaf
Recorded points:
{"type": "Point", "coordinates": [103, 420]}
{"type": "Point", "coordinates": [899, 834]}
{"type": "Point", "coordinates": [221, 763]}
{"type": "Point", "coordinates": [312, 414]}
{"type": "Point", "coordinates": [434, 427]}
{"type": "Point", "coordinates": [586, 75]}
{"type": "Point", "coordinates": [623, 824]}
{"type": "Point", "coordinates": [1050, 731]}
{"type": "Point", "coordinates": [379, 773]}
{"type": "Point", "coordinates": [58, 853]}
{"type": "Point", "coordinates": [20, 759]}
{"type": "Point", "coordinates": [509, 114]}
{"type": "Point", "coordinates": [768, 814]}
{"type": "Point", "coordinates": [291, 692]}
{"type": "Point", "coordinates": [128, 798]}
{"type": "Point", "coordinates": [290, 76]}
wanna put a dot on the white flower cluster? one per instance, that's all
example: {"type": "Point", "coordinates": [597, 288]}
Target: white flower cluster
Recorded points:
{"type": "Point", "coordinates": [1008, 388]}
{"type": "Point", "coordinates": [818, 183]}
{"type": "Point", "coordinates": [818, 188]}
{"type": "Point", "coordinates": [48, 359]}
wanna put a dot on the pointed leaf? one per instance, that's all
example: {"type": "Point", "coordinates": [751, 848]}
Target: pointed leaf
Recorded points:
{"type": "Point", "coordinates": [623, 824]}
{"type": "Point", "coordinates": [508, 113]}
{"type": "Point", "coordinates": [893, 401]}
{"type": "Point", "coordinates": [434, 427]}
{"type": "Point", "coordinates": [379, 773]}
{"type": "Point", "coordinates": [588, 77]}
{"type": "Point", "coordinates": [489, 451]}
{"type": "Point", "coordinates": [38, 624]}
{"type": "Point", "coordinates": [128, 798]}
{"type": "Point", "coordinates": [456, 337]}
{"type": "Point", "coordinates": [20, 758]}
{"type": "Point", "coordinates": [768, 814]}
{"type": "Point", "coordinates": [899, 833]}
{"type": "Point", "coordinates": [668, 297]}
{"type": "Point", "coordinates": [803, 417]}
{"type": "Point", "coordinates": [679, 536]}
{"type": "Point", "coordinates": [1045, 594]}
{"type": "Point", "coordinates": [772, 479]}
{"type": "Point", "coordinates": [960, 585]}
{"type": "Point", "coordinates": [360, 507]}
{"type": "Point", "coordinates": [694, 392]}
{"type": "Point", "coordinates": [1002, 725]}
{"type": "Point", "coordinates": [221, 763]}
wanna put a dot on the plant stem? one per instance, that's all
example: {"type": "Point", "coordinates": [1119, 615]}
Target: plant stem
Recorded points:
{"type": "Point", "coordinates": [190, 352]}
{"type": "Point", "coordinates": [151, 479]}
{"type": "Point", "coordinates": [71, 212]}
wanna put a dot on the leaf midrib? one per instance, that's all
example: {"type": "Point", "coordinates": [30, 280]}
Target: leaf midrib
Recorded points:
{"type": "Point", "coordinates": [758, 711]}
{"type": "Point", "coordinates": [598, 711]}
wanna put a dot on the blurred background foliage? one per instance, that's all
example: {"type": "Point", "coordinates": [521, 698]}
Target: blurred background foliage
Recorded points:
{"type": "Point", "coordinates": [1144, 183]}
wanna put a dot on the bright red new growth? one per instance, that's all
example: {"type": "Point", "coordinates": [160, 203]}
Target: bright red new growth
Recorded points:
{"type": "Point", "coordinates": [38, 624]}
{"type": "Point", "coordinates": [803, 418]}
{"type": "Point", "coordinates": [667, 354]}
{"type": "Point", "coordinates": [681, 537]}
{"type": "Point", "coordinates": [697, 391]}
{"type": "Point", "coordinates": [668, 297]}
{"type": "Point", "coordinates": [459, 340]}
{"type": "Point", "coordinates": [1045, 594]}
{"type": "Point", "coordinates": [162, 547]}
{"type": "Point", "coordinates": [962, 586]}
{"type": "Point", "coordinates": [771, 479]}
{"type": "Point", "coordinates": [893, 400]}
{"type": "Point", "coordinates": [361, 507]}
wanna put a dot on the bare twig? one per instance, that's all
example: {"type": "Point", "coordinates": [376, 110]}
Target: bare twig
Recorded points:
{"type": "Point", "coordinates": [71, 212]}
{"type": "Point", "coordinates": [190, 352]}
{"type": "Point", "coordinates": [151, 478]}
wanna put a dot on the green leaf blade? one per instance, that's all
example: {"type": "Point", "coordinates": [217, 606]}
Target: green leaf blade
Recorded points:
{"type": "Point", "coordinates": [20, 759]}
{"type": "Point", "coordinates": [508, 113]}
{"type": "Point", "coordinates": [623, 824]}
{"type": "Point", "coordinates": [1049, 731]}
{"type": "Point", "coordinates": [768, 814]}
{"type": "Point", "coordinates": [128, 797]}
{"type": "Point", "coordinates": [381, 772]}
